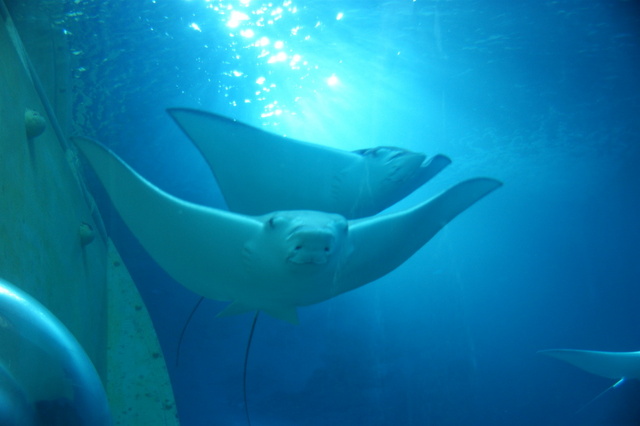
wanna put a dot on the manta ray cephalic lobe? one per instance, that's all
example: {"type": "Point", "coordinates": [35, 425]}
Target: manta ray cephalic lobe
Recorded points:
{"type": "Point", "coordinates": [278, 261]}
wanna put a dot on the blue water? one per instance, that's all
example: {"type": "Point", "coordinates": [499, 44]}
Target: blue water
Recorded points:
{"type": "Point", "coordinates": [543, 95]}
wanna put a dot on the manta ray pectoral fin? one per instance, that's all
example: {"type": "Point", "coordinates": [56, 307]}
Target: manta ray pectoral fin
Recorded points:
{"type": "Point", "coordinates": [613, 365]}
{"type": "Point", "coordinates": [182, 237]}
{"type": "Point", "coordinates": [260, 172]}
{"type": "Point", "coordinates": [382, 243]}
{"type": "Point", "coordinates": [283, 313]}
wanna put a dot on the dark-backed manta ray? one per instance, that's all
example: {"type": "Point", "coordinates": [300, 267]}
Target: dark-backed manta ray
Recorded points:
{"type": "Point", "coordinates": [250, 166]}
{"type": "Point", "coordinates": [274, 262]}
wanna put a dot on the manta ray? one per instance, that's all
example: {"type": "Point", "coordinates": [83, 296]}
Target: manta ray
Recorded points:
{"type": "Point", "coordinates": [613, 365]}
{"type": "Point", "coordinates": [251, 165]}
{"type": "Point", "coordinates": [277, 261]}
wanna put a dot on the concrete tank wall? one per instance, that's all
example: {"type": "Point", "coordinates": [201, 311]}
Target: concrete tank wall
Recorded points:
{"type": "Point", "coordinates": [44, 208]}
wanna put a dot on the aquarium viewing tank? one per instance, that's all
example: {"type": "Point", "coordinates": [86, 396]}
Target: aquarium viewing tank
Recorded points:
{"type": "Point", "coordinates": [343, 212]}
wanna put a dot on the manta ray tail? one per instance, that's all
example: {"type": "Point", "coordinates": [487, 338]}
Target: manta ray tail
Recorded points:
{"type": "Point", "coordinates": [619, 382]}
{"type": "Point", "coordinates": [184, 328]}
{"type": "Point", "coordinates": [286, 314]}
{"type": "Point", "coordinates": [246, 362]}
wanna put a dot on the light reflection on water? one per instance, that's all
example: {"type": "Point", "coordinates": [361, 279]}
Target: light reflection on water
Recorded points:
{"type": "Point", "coordinates": [274, 46]}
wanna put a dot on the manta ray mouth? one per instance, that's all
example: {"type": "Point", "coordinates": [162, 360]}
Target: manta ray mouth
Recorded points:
{"type": "Point", "coordinates": [301, 256]}
{"type": "Point", "coordinates": [309, 257]}
{"type": "Point", "coordinates": [318, 261]}
{"type": "Point", "coordinates": [310, 245]}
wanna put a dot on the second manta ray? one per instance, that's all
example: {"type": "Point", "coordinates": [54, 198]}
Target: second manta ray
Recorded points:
{"type": "Point", "coordinates": [278, 261]}
{"type": "Point", "coordinates": [613, 365]}
{"type": "Point", "coordinates": [251, 166]}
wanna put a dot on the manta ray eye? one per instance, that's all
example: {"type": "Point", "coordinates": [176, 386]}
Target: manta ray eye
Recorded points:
{"type": "Point", "coordinates": [298, 248]}
{"type": "Point", "coordinates": [277, 220]}
{"type": "Point", "coordinates": [273, 222]}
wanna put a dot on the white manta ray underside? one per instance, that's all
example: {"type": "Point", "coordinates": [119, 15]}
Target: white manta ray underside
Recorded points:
{"type": "Point", "coordinates": [278, 261]}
